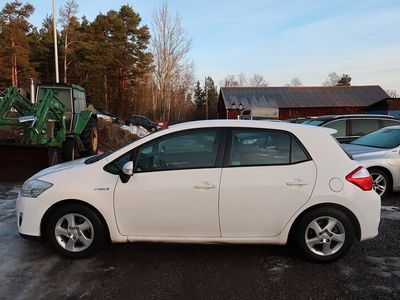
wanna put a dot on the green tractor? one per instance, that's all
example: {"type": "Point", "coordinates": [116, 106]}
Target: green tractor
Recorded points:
{"type": "Point", "coordinates": [58, 127]}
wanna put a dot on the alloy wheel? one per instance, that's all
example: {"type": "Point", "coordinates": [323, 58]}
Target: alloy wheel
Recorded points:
{"type": "Point", "coordinates": [74, 232]}
{"type": "Point", "coordinates": [325, 236]}
{"type": "Point", "coordinates": [379, 183]}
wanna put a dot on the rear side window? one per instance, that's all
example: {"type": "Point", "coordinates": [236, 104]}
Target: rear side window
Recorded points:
{"type": "Point", "coordinates": [387, 123]}
{"type": "Point", "coordinates": [264, 147]}
{"type": "Point", "coordinates": [339, 125]}
{"type": "Point", "coordinates": [361, 127]}
{"type": "Point", "coordinates": [298, 154]}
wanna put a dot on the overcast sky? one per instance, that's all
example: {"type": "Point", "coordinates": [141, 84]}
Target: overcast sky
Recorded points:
{"type": "Point", "coordinates": [279, 39]}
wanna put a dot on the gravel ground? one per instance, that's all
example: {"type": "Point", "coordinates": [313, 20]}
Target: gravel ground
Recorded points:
{"type": "Point", "coordinates": [30, 270]}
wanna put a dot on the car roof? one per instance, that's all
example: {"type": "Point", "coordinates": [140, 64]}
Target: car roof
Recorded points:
{"type": "Point", "coordinates": [367, 116]}
{"type": "Point", "coordinates": [262, 124]}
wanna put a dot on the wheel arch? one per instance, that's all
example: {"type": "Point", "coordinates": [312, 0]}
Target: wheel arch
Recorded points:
{"type": "Point", "coordinates": [353, 218]}
{"type": "Point", "coordinates": [59, 204]}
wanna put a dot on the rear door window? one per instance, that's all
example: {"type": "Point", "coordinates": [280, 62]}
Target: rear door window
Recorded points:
{"type": "Point", "coordinates": [360, 127]}
{"type": "Point", "coordinates": [253, 147]}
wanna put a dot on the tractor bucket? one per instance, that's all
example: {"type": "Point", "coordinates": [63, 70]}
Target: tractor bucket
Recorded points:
{"type": "Point", "coordinates": [19, 162]}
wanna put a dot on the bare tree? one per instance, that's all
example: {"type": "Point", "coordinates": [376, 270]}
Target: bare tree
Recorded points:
{"type": "Point", "coordinates": [295, 82]}
{"type": "Point", "coordinates": [332, 80]}
{"type": "Point", "coordinates": [67, 13]}
{"type": "Point", "coordinates": [173, 70]}
{"type": "Point", "coordinates": [257, 80]}
{"type": "Point", "coordinates": [392, 93]}
{"type": "Point", "coordinates": [242, 80]}
{"type": "Point", "coordinates": [230, 81]}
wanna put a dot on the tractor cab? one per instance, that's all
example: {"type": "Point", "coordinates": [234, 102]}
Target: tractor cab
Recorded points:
{"type": "Point", "coordinates": [71, 95]}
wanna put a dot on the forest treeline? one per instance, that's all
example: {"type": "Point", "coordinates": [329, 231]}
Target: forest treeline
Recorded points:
{"type": "Point", "coordinates": [125, 67]}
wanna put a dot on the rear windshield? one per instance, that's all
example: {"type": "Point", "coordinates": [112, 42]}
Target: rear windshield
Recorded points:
{"type": "Point", "coordinates": [314, 122]}
{"type": "Point", "coordinates": [386, 138]}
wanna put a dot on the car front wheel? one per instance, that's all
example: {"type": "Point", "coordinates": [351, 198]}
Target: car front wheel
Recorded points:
{"type": "Point", "coordinates": [75, 231]}
{"type": "Point", "coordinates": [324, 234]}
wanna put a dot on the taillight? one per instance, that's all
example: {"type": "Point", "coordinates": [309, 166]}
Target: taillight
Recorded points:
{"type": "Point", "coordinates": [361, 178]}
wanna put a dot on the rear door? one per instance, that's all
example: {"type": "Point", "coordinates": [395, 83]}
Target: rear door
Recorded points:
{"type": "Point", "coordinates": [267, 177]}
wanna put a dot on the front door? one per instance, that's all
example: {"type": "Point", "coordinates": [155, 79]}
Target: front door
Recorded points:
{"type": "Point", "coordinates": [174, 190]}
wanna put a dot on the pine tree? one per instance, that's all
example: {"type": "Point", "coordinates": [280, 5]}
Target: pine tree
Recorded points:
{"type": "Point", "coordinates": [212, 98]}
{"type": "Point", "coordinates": [199, 95]}
{"type": "Point", "coordinates": [14, 30]}
{"type": "Point", "coordinates": [42, 51]}
{"type": "Point", "coordinates": [345, 80]}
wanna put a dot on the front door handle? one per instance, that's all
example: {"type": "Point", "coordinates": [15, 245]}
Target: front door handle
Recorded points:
{"type": "Point", "coordinates": [296, 182]}
{"type": "Point", "coordinates": [205, 186]}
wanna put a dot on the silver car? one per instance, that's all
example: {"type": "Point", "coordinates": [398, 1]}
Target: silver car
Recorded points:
{"type": "Point", "coordinates": [379, 152]}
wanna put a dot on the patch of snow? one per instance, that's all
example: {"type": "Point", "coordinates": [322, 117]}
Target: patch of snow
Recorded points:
{"type": "Point", "coordinates": [138, 130]}
{"type": "Point", "coordinates": [105, 117]}
{"type": "Point", "coordinates": [384, 267]}
{"type": "Point", "coordinates": [390, 212]}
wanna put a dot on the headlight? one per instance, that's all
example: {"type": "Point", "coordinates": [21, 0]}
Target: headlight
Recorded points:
{"type": "Point", "coordinates": [33, 188]}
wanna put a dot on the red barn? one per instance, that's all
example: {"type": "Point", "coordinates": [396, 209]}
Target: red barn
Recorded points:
{"type": "Point", "coordinates": [293, 102]}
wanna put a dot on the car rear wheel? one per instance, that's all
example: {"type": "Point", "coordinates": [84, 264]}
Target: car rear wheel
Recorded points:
{"type": "Point", "coordinates": [324, 234]}
{"type": "Point", "coordinates": [75, 231]}
{"type": "Point", "coordinates": [381, 182]}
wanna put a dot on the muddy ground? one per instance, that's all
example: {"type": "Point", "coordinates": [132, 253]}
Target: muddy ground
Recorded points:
{"type": "Point", "coordinates": [31, 270]}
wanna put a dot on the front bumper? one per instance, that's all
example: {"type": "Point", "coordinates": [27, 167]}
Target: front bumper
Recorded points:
{"type": "Point", "coordinates": [30, 212]}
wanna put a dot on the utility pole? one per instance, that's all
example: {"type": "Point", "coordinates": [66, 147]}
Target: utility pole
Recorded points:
{"type": "Point", "coordinates": [55, 41]}
{"type": "Point", "coordinates": [206, 94]}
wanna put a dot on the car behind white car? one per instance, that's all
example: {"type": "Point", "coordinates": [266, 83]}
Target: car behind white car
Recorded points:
{"type": "Point", "coordinates": [379, 152]}
{"type": "Point", "coordinates": [224, 181]}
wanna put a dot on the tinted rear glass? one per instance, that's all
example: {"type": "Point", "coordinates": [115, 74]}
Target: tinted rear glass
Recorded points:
{"type": "Point", "coordinates": [363, 126]}
{"type": "Point", "coordinates": [387, 123]}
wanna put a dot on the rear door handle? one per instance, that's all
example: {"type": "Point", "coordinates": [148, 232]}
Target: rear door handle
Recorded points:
{"type": "Point", "coordinates": [205, 186]}
{"type": "Point", "coordinates": [296, 182]}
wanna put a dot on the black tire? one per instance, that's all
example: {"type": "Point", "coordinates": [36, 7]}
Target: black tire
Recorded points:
{"type": "Point", "coordinates": [153, 129]}
{"type": "Point", "coordinates": [335, 249]}
{"type": "Point", "coordinates": [375, 173]}
{"type": "Point", "coordinates": [89, 138]}
{"type": "Point", "coordinates": [96, 234]}
{"type": "Point", "coordinates": [68, 150]}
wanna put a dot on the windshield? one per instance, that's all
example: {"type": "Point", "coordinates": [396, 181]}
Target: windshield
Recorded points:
{"type": "Point", "coordinates": [98, 157]}
{"type": "Point", "coordinates": [62, 94]}
{"type": "Point", "coordinates": [384, 138]}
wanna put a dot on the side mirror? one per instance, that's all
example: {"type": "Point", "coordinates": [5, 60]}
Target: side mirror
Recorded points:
{"type": "Point", "coordinates": [127, 169]}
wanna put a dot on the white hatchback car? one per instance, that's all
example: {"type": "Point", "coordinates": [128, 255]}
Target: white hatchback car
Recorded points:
{"type": "Point", "coordinates": [223, 181]}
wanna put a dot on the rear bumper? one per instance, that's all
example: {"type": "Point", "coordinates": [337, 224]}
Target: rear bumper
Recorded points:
{"type": "Point", "coordinates": [368, 212]}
